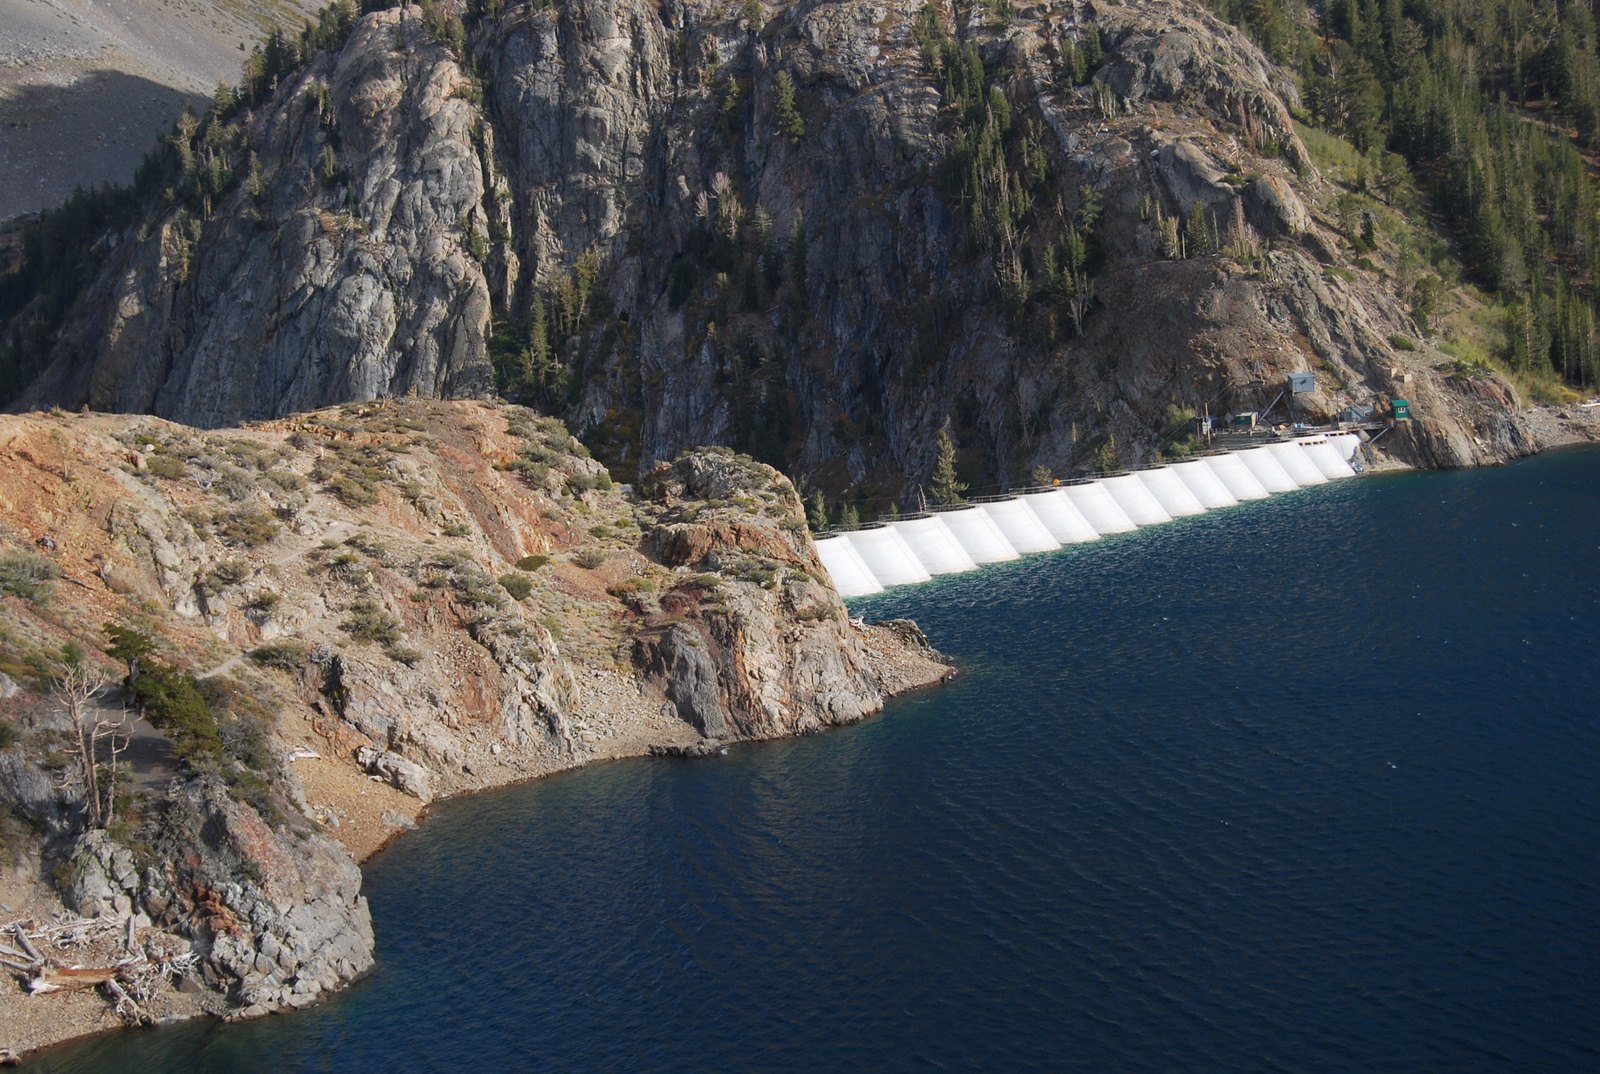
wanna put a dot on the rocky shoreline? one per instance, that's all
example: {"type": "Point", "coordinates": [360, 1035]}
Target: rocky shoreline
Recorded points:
{"type": "Point", "coordinates": [380, 606]}
{"type": "Point", "coordinates": [284, 922]}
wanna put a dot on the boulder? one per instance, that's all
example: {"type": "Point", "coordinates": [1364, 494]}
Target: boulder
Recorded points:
{"type": "Point", "coordinates": [1273, 208]}
{"type": "Point", "coordinates": [403, 775]}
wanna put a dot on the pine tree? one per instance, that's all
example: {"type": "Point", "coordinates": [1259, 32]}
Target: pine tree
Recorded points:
{"type": "Point", "coordinates": [1196, 233]}
{"type": "Point", "coordinates": [1106, 459]}
{"type": "Point", "coordinates": [789, 121]}
{"type": "Point", "coordinates": [943, 483]}
{"type": "Point", "coordinates": [817, 512]}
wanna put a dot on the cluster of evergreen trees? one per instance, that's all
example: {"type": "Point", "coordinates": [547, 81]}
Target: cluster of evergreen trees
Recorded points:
{"type": "Point", "coordinates": [1491, 102]}
{"type": "Point", "coordinates": [996, 170]}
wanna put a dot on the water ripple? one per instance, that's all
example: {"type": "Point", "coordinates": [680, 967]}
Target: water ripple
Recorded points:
{"type": "Point", "coordinates": [1307, 785]}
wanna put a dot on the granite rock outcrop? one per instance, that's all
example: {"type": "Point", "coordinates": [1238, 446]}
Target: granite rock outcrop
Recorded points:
{"type": "Point", "coordinates": [756, 235]}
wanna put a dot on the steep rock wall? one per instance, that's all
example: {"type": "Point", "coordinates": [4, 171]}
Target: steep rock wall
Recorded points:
{"type": "Point", "coordinates": [827, 298]}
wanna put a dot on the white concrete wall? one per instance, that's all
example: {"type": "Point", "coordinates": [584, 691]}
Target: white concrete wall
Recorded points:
{"type": "Point", "coordinates": [1060, 516]}
{"type": "Point", "coordinates": [912, 550]}
{"type": "Point", "coordinates": [887, 555]}
{"type": "Point", "coordinates": [1171, 493]}
{"type": "Point", "coordinates": [851, 576]}
{"type": "Point", "coordinates": [1100, 508]}
{"type": "Point", "coordinates": [1266, 468]}
{"type": "Point", "coordinates": [1232, 472]}
{"type": "Point", "coordinates": [1020, 525]}
{"type": "Point", "coordinates": [1326, 457]}
{"type": "Point", "coordinates": [1203, 482]}
{"type": "Point", "coordinates": [1297, 464]}
{"type": "Point", "coordinates": [1134, 497]}
{"type": "Point", "coordinates": [978, 535]}
{"type": "Point", "coordinates": [935, 545]}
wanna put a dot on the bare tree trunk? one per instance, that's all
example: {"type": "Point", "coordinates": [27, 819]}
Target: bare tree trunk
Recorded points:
{"type": "Point", "coordinates": [117, 738]}
{"type": "Point", "coordinates": [78, 684]}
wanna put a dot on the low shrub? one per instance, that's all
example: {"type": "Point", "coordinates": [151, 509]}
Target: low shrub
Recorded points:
{"type": "Point", "coordinates": [368, 622]}
{"type": "Point", "coordinates": [27, 575]}
{"type": "Point", "coordinates": [287, 655]}
{"type": "Point", "coordinates": [1401, 343]}
{"type": "Point", "coordinates": [264, 602]}
{"type": "Point", "coordinates": [632, 587]}
{"type": "Point", "coordinates": [532, 563]}
{"type": "Point", "coordinates": [230, 572]}
{"type": "Point", "coordinates": [247, 528]}
{"type": "Point", "coordinates": [165, 466]}
{"type": "Point", "coordinates": [518, 585]}
{"type": "Point", "coordinates": [287, 480]}
{"type": "Point", "coordinates": [590, 558]}
{"type": "Point", "coordinates": [351, 491]}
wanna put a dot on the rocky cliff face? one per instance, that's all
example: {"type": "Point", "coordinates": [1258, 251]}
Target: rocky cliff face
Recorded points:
{"type": "Point", "coordinates": [822, 238]}
{"type": "Point", "coordinates": [383, 604]}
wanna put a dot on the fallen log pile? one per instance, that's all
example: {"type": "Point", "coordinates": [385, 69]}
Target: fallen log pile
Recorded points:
{"type": "Point", "coordinates": [41, 957]}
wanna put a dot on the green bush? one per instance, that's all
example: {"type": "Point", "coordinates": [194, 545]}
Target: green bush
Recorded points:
{"type": "Point", "coordinates": [248, 528]}
{"type": "Point", "coordinates": [369, 622]}
{"type": "Point", "coordinates": [8, 733]}
{"type": "Point", "coordinates": [165, 466]}
{"type": "Point", "coordinates": [1401, 343]}
{"type": "Point", "coordinates": [518, 585]}
{"type": "Point", "coordinates": [288, 655]}
{"type": "Point", "coordinates": [352, 492]}
{"type": "Point", "coordinates": [230, 572]}
{"type": "Point", "coordinates": [532, 563]}
{"type": "Point", "coordinates": [287, 480]}
{"type": "Point", "coordinates": [589, 558]}
{"type": "Point", "coordinates": [264, 602]}
{"type": "Point", "coordinates": [27, 575]}
{"type": "Point", "coordinates": [171, 699]}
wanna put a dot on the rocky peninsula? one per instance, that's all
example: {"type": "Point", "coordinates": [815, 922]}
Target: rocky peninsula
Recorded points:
{"type": "Point", "coordinates": [377, 606]}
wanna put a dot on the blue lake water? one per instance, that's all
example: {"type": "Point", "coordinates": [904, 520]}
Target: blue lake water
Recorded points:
{"type": "Point", "coordinates": [1309, 784]}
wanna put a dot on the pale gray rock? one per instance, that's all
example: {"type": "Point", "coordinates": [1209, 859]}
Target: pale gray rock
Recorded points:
{"type": "Point", "coordinates": [404, 775]}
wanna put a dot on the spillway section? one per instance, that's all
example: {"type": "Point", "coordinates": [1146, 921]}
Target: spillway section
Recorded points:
{"type": "Point", "coordinates": [1064, 521]}
{"type": "Point", "coordinates": [851, 576]}
{"type": "Point", "coordinates": [1133, 496]}
{"type": "Point", "coordinates": [1268, 470]}
{"type": "Point", "coordinates": [1099, 508]}
{"type": "Point", "coordinates": [1022, 527]}
{"type": "Point", "coordinates": [1203, 484]}
{"type": "Point", "coordinates": [962, 538]}
{"type": "Point", "coordinates": [888, 556]}
{"type": "Point", "coordinates": [978, 534]}
{"type": "Point", "coordinates": [1292, 457]}
{"type": "Point", "coordinates": [1234, 474]}
{"type": "Point", "coordinates": [1171, 493]}
{"type": "Point", "coordinates": [934, 545]}
{"type": "Point", "coordinates": [1326, 458]}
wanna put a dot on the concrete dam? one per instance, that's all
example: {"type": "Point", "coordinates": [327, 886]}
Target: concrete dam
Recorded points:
{"type": "Point", "coordinates": [963, 537]}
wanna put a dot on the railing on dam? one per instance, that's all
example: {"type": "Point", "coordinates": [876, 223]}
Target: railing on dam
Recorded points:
{"type": "Point", "coordinates": [995, 529]}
